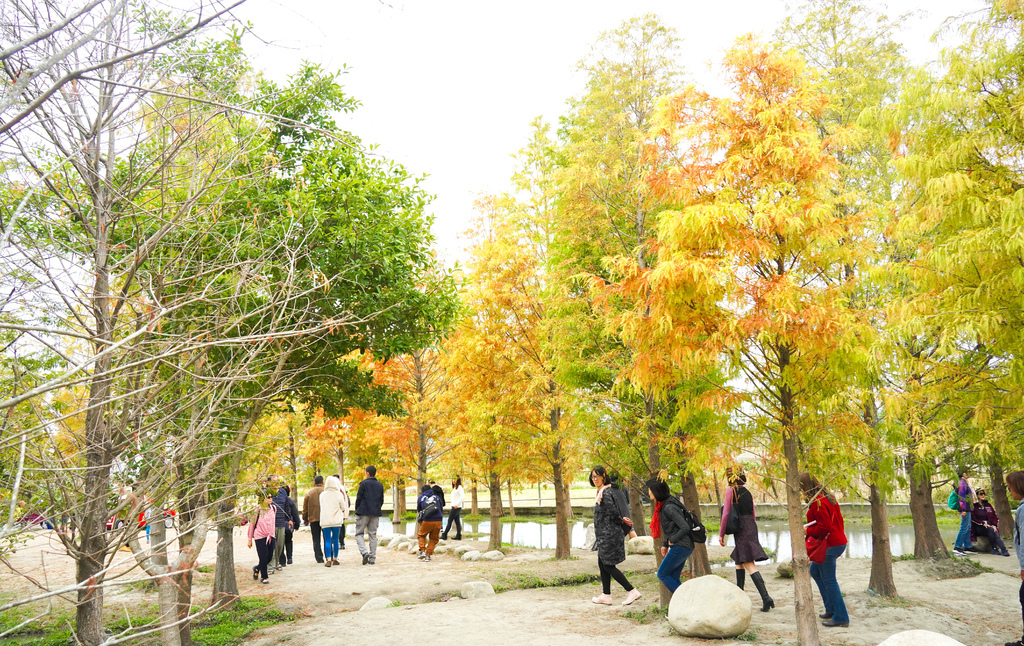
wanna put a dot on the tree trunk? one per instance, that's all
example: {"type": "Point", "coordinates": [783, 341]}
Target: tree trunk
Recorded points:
{"type": "Point", "coordinates": [93, 551]}
{"type": "Point", "coordinates": [881, 582]}
{"type": "Point", "coordinates": [806, 617]}
{"type": "Point", "coordinates": [1000, 501]}
{"type": "Point", "coordinates": [698, 564]}
{"type": "Point", "coordinates": [664, 596]}
{"type": "Point", "coordinates": [474, 499]}
{"type": "Point", "coordinates": [562, 543]}
{"type": "Point", "coordinates": [293, 462]}
{"type": "Point", "coordinates": [339, 456]}
{"type": "Point", "coordinates": [511, 507]}
{"type": "Point", "coordinates": [421, 460]}
{"type": "Point", "coordinates": [928, 542]}
{"type": "Point", "coordinates": [637, 487]}
{"type": "Point", "coordinates": [400, 502]}
{"type": "Point", "coordinates": [567, 495]}
{"type": "Point", "coordinates": [494, 485]}
{"type": "Point", "coordinates": [225, 584]}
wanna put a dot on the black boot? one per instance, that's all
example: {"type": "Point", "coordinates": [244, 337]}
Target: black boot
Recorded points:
{"type": "Point", "coordinates": [740, 574]}
{"type": "Point", "coordinates": [767, 602]}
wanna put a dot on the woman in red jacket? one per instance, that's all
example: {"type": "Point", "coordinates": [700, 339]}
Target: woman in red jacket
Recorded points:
{"type": "Point", "coordinates": [824, 520]}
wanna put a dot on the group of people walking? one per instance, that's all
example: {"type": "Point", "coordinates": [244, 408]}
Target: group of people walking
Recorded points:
{"type": "Point", "coordinates": [325, 509]}
{"type": "Point", "coordinates": [675, 526]}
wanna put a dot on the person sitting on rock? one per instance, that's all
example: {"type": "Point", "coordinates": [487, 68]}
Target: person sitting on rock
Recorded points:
{"type": "Point", "coordinates": [985, 522]}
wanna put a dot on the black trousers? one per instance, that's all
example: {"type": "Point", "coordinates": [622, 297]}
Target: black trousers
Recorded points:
{"type": "Point", "coordinates": [265, 551]}
{"type": "Point", "coordinates": [1022, 606]}
{"type": "Point", "coordinates": [318, 544]}
{"type": "Point", "coordinates": [341, 537]}
{"type": "Point", "coordinates": [454, 514]}
{"type": "Point", "coordinates": [609, 572]}
{"type": "Point", "coordinates": [286, 553]}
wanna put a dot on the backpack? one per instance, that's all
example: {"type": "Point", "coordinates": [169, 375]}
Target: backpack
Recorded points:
{"type": "Point", "coordinates": [698, 532]}
{"type": "Point", "coordinates": [953, 502]}
{"type": "Point", "coordinates": [430, 509]}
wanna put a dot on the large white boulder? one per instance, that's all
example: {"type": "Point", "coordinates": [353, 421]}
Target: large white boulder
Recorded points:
{"type": "Point", "coordinates": [709, 607]}
{"type": "Point", "coordinates": [640, 545]}
{"type": "Point", "coordinates": [462, 549]}
{"type": "Point", "coordinates": [493, 555]}
{"type": "Point", "coordinates": [472, 555]}
{"type": "Point", "coordinates": [475, 589]}
{"type": "Point", "coordinates": [376, 603]}
{"type": "Point", "coordinates": [920, 638]}
{"type": "Point", "coordinates": [591, 537]}
{"type": "Point", "coordinates": [414, 548]}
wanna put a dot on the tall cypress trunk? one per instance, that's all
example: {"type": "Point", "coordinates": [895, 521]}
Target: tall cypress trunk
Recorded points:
{"type": "Point", "coordinates": [494, 485]}
{"type": "Point", "coordinates": [1000, 501]}
{"type": "Point", "coordinates": [698, 564]}
{"type": "Point", "coordinates": [881, 582]}
{"type": "Point", "coordinates": [636, 506]}
{"type": "Point", "coordinates": [474, 498]}
{"type": "Point", "coordinates": [562, 544]}
{"type": "Point", "coordinates": [928, 541]}
{"type": "Point", "coordinates": [511, 508]}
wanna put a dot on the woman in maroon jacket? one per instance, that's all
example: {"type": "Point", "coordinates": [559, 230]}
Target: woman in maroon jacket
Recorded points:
{"type": "Point", "coordinates": [985, 522]}
{"type": "Point", "coordinates": [824, 520]}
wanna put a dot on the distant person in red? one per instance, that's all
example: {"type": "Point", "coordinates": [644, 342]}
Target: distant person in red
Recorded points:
{"type": "Point", "coordinates": [824, 520]}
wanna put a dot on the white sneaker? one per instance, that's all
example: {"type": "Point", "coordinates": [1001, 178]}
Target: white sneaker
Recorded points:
{"type": "Point", "coordinates": [604, 599]}
{"type": "Point", "coordinates": [631, 596]}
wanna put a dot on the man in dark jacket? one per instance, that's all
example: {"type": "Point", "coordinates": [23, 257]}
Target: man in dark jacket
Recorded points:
{"type": "Point", "coordinates": [369, 500]}
{"type": "Point", "coordinates": [439, 492]}
{"type": "Point", "coordinates": [282, 523]}
{"type": "Point", "coordinates": [293, 513]}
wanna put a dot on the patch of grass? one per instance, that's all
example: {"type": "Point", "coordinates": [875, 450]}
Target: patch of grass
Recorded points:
{"type": "Point", "coordinates": [206, 569]}
{"type": "Point", "coordinates": [645, 615]}
{"type": "Point", "coordinates": [749, 636]}
{"type": "Point", "coordinates": [506, 581]}
{"type": "Point", "coordinates": [904, 557]}
{"type": "Point", "coordinates": [231, 626]}
{"type": "Point", "coordinates": [889, 602]}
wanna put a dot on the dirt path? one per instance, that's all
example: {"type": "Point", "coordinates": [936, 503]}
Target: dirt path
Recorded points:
{"type": "Point", "coordinates": [980, 610]}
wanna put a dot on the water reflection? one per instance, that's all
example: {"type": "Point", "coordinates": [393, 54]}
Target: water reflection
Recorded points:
{"type": "Point", "coordinates": [774, 536]}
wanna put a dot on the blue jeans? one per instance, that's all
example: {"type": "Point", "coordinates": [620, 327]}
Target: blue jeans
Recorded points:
{"type": "Point", "coordinates": [672, 566]}
{"type": "Point", "coordinates": [963, 539]}
{"type": "Point", "coordinates": [824, 574]}
{"type": "Point", "coordinates": [331, 542]}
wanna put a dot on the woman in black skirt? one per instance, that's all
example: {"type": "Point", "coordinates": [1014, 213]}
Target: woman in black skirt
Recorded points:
{"type": "Point", "coordinates": [748, 548]}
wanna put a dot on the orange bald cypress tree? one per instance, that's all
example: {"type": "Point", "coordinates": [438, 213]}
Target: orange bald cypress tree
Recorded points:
{"type": "Point", "coordinates": [750, 267]}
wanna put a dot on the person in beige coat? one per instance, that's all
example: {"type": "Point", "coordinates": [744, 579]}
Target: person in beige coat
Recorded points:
{"type": "Point", "coordinates": [333, 512]}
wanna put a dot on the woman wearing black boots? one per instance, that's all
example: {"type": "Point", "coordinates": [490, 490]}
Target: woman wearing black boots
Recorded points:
{"type": "Point", "coordinates": [748, 548]}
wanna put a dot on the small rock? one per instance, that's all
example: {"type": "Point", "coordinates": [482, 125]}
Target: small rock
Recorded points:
{"type": "Point", "coordinates": [920, 638]}
{"type": "Point", "coordinates": [493, 555]}
{"type": "Point", "coordinates": [395, 540]}
{"type": "Point", "coordinates": [476, 589]}
{"type": "Point", "coordinates": [591, 537]}
{"type": "Point", "coordinates": [462, 549]}
{"type": "Point", "coordinates": [441, 541]}
{"type": "Point", "coordinates": [472, 555]}
{"type": "Point", "coordinates": [709, 607]}
{"type": "Point", "coordinates": [785, 569]}
{"type": "Point", "coordinates": [441, 549]}
{"type": "Point", "coordinates": [640, 545]}
{"type": "Point", "coordinates": [414, 548]}
{"type": "Point", "coordinates": [376, 603]}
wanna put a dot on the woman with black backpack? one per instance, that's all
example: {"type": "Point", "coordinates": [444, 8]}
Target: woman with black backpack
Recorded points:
{"type": "Point", "coordinates": [669, 521]}
{"type": "Point", "coordinates": [739, 501]}
{"type": "Point", "coordinates": [611, 524]}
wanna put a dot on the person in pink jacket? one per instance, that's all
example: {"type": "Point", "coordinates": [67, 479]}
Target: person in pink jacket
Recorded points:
{"type": "Point", "coordinates": [261, 529]}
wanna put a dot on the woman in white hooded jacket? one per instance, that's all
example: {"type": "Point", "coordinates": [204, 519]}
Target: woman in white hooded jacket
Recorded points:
{"type": "Point", "coordinates": [333, 512]}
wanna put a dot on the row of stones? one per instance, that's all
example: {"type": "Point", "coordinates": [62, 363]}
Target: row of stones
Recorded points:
{"type": "Point", "coordinates": [470, 590]}
{"type": "Point", "coordinates": [465, 552]}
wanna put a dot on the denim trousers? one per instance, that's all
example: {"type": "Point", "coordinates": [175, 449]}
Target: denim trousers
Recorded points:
{"type": "Point", "coordinates": [963, 539]}
{"type": "Point", "coordinates": [824, 574]}
{"type": "Point", "coordinates": [331, 541]}
{"type": "Point", "coordinates": [672, 566]}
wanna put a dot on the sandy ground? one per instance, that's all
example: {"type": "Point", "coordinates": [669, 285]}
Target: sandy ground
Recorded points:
{"type": "Point", "coordinates": [979, 610]}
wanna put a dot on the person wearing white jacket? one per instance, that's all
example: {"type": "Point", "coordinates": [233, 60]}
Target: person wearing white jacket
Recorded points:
{"type": "Point", "coordinates": [333, 512]}
{"type": "Point", "coordinates": [455, 513]}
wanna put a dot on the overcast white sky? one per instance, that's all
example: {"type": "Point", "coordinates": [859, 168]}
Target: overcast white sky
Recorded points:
{"type": "Point", "coordinates": [449, 87]}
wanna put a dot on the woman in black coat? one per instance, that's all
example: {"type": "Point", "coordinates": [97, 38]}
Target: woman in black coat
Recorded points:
{"type": "Point", "coordinates": [609, 522]}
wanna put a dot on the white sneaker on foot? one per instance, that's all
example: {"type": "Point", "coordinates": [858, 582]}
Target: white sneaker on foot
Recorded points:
{"type": "Point", "coordinates": [631, 596]}
{"type": "Point", "coordinates": [604, 599]}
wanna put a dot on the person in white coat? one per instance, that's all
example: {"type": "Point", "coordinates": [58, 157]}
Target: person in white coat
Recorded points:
{"type": "Point", "coordinates": [333, 512]}
{"type": "Point", "coordinates": [455, 513]}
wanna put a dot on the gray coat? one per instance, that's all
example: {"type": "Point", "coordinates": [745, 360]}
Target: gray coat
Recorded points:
{"type": "Point", "coordinates": [611, 549]}
{"type": "Point", "coordinates": [674, 527]}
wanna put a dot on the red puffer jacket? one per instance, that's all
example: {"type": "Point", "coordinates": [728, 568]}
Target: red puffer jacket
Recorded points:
{"type": "Point", "coordinates": [827, 520]}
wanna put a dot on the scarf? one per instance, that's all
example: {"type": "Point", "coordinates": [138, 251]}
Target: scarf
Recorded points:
{"type": "Point", "coordinates": [656, 520]}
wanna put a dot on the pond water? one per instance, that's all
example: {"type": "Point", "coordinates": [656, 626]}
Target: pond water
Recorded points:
{"type": "Point", "coordinates": [774, 536]}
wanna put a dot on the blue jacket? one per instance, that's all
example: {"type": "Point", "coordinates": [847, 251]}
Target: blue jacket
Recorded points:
{"type": "Point", "coordinates": [369, 497]}
{"type": "Point", "coordinates": [284, 514]}
{"type": "Point", "coordinates": [425, 499]}
{"type": "Point", "coordinates": [1018, 534]}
